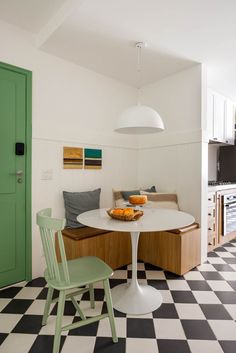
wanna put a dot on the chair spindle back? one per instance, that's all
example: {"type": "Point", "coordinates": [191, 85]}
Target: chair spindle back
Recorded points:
{"type": "Point", "coordinates": [49, 227]}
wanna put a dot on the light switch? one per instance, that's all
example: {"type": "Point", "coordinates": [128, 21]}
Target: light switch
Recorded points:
{"type": "Point", "coordinates": [47, 174]}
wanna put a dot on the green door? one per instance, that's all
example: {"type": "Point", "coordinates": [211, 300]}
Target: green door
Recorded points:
{"type": "Point", "coordinates": [13, 172]}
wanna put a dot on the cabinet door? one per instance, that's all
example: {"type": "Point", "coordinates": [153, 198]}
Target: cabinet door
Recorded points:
{"type": "Point", "coordinates": [219, 118]}
{"type": "Point", "coordinates": [212, 228]}
{"type": "Point", "coordinates": [229, 121]}
{"type": "Point", "coordinates": [210, 113]}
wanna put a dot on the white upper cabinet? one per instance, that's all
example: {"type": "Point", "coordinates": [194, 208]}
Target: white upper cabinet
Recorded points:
{"type": "Point", "coordinates": [220, 118]}
{"type": "Point", "coordinates": [229, 121]}
{"type": "Point", "coordinates": [210, 114]}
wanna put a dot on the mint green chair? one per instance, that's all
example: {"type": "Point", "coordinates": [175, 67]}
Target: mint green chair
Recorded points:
{"type": "Point", "coordinates": [78, 274]}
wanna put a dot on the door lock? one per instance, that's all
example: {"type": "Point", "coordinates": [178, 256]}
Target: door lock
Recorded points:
{"type": "Point", "coordinates": [18, 174]}
{"type": "Point", "coordinates": [19, 149]}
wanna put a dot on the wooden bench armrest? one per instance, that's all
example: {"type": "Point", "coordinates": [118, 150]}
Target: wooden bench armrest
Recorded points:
{"type": "Point", "coordinates": [184, 229]}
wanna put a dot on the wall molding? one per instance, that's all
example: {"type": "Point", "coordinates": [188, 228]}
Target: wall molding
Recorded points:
{"type": "Point", "coordinates": [171, 139]}
{"type": "Point", "coordinates": [158, 140]}
{"type": "Point", "coordinates": [87, 142]}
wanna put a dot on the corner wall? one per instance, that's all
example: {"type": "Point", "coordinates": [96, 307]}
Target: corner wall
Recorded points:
{"type": "Point", "coordinates": [172, 160]}
{"type": "Point", "coordinates": [213, 150]}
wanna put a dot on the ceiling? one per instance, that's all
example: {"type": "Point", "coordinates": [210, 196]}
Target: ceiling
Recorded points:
{"type": "Point", "coordinates": [100, 35]}
{"type": "Point", "coordinates": [30, 15]}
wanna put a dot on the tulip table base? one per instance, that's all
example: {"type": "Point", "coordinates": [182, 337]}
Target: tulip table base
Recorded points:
{"type": "Point", "coordinates": [133, 298]}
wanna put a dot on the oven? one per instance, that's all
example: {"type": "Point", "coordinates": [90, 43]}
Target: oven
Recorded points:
{"type": "Point", "coordinates": [229, 213]}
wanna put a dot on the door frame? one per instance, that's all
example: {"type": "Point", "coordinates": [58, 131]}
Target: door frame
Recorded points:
{"type": "Point", "coordinates": [28, 134]}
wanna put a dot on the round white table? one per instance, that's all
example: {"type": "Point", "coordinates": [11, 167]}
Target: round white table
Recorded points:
{"type": "Point", "coordinates": [133, 298]}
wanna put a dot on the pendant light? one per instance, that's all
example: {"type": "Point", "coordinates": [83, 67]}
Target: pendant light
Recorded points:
{"type": "Point", "coordinates": [139, 119]}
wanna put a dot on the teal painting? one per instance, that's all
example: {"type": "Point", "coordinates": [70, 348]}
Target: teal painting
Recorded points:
{"type": "Point", "coordinates": [92, 158]}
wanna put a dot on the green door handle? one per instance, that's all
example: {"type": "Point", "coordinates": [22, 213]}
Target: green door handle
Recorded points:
{"type": "Point", "coordinates": [19, 173]}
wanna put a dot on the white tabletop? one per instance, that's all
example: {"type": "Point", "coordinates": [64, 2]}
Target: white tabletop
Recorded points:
{"type": "Point", "coordinates": [152, 220]}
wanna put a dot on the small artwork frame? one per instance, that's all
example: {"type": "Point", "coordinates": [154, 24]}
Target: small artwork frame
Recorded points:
{"type": "Point", "coordinates": [92, 158]}
{"type": "Point", "coordinates": [73, 158]}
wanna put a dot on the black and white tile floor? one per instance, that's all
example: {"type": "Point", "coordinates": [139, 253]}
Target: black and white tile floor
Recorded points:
{"type": "Point", "coordinates": [197, 315]}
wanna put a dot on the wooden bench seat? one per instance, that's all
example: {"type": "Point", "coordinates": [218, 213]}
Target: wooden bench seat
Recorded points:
{"type": "Point", "coordinates": [83, 232]}
{"type": "Point", "coordinates": [177, 250]}
{"type": "Point", "coordinates": [112, 247]}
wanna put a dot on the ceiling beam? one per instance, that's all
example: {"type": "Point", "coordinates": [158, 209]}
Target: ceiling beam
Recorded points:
{"type": "Point", "coordinates": [56, 21]}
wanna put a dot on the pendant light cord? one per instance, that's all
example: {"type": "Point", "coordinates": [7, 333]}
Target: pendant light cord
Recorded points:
{"type": "Point", "coordinates": [139, 59]}
{"type": "Point", "coordinates": [139, 68]}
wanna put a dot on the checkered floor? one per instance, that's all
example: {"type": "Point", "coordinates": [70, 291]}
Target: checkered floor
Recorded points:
{"type": "Point", "coordinates": [197, 315]}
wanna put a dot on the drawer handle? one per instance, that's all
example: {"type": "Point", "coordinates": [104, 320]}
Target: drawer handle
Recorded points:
{"type": "Point", "coordinates": [209, 199]}
{"type": "Point", "coordinates": [210, 228]}
{"type": "Point", "coordinates": [209, 214]}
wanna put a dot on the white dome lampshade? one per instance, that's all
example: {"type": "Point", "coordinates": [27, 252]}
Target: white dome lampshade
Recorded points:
{"type": "Point", "coordinates": [139, 119]}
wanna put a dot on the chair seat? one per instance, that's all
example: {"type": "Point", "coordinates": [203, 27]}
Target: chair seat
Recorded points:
{"type": "Point", "coordinates": [82, 271]}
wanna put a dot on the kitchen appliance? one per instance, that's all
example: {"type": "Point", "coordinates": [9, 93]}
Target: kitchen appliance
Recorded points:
{"type": "Point", "coordinates": [226, 166]}
{"type": "Point", "coordinates": [229, 213]}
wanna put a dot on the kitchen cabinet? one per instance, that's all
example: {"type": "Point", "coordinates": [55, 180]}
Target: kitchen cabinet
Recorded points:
{"type": "Point", "coordinates": [212, 234]}
{"type": "Point", "coordinates": [210, 114]}
{"type": "Point", "coordinates": [215, 232]}
{"type": "Point", "coordinates": [229, 121]}
{"type": "Point", "coordinates": [220, 118]}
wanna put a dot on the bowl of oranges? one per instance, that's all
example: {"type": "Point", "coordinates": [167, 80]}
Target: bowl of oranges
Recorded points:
{"type": "Point", "coordinates": [125, 214]}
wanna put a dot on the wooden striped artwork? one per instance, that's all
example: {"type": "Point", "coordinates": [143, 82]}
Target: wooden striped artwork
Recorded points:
{"type": "Point", "coordinates": [92, 158]}
{"type": "Point", "coordinates": [73, 157]}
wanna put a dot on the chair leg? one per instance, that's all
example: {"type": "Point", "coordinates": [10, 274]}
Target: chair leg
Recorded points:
{"type": "Point", "coordinates": [91, 295]}
{"type": "Point", "coordinates": [77, 307]}
{"type": "Point", "coordinates": [60, 311]}
{"type": "Point", "coordinates": [47, 305]}
{"type": "Point", "coordinates": [110, 309]}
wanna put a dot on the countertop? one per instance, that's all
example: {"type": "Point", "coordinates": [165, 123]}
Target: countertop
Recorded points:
{"type": "Point", "coordinates": [221, 187]}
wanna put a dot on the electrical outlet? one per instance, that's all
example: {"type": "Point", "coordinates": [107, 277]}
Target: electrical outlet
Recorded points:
{"type": "Point", "coordinates": [47, 174]}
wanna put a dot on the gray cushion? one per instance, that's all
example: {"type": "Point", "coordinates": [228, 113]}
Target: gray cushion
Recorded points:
{"type": "Point", "coordinates": [126, 194]}
{"type": "Point", "coordinates": [79, 202]}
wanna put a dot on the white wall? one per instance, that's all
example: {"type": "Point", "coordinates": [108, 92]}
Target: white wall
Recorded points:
{"type": "Point", "coordinates": [175, 153]}
{"type": "Point", "coordinates": [219, 78]}
{"type": "Point", "coordinates": [212, 161]}
{"type": "Point", "coordinates": [119, 170]}
{"type": "Point", "coordinates": [177, 98]}
{"type": "Point", "coordinates": [172, 160]}
{"type": "Point", "coordinates": [69, 102]}
{"type": "Point", "coordinates": [72, 106]}
{"type": "Point", "coordinates": [174, 169]}
{"type": "Point", "coordinates": [204, 166]}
